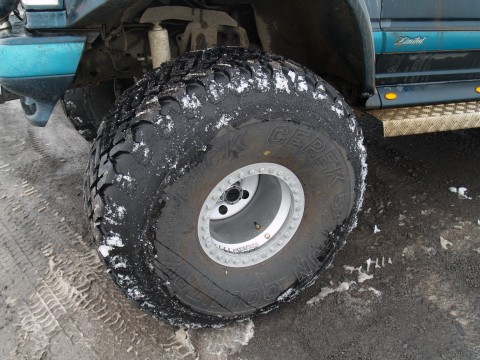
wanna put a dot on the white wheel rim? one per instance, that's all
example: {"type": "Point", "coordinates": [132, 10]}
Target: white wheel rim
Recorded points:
{"type": "Point", "coordinates": [251, 215]}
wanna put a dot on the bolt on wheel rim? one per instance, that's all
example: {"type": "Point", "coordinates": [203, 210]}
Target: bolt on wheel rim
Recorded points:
{"type": "Point", "coordinates": [251, 215]}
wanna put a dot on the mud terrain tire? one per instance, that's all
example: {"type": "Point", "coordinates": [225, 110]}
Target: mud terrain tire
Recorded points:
{"type": "Point", "coordinates": [181, 131]}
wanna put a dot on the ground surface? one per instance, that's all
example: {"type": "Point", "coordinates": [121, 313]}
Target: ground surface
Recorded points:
{"type": "Point", "coordinates": [419, 298]}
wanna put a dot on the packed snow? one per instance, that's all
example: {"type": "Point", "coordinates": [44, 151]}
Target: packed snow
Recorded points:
{"type": "Point", "coordinates": [344, 286]}
{"type": "Point", "coordinates": [461, 192]}
{"type": "Point", "coordinates": [445, 243]}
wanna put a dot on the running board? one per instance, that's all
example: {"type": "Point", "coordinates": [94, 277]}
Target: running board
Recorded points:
{"type": "Point", "coordinates": [428, 119]}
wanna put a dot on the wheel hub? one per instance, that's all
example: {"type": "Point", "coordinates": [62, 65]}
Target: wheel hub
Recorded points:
{"type": "Point", "coordinates": [233, 195]}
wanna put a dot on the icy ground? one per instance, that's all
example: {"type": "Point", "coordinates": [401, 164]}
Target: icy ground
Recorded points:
{"type": "Point", "coordinates": [409, 290]}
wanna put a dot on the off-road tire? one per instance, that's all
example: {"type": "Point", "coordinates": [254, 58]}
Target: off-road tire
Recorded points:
{"type": "Point", "coordinates": [177, 133]}
{"type": "Point", "coordinates": [86, 107]}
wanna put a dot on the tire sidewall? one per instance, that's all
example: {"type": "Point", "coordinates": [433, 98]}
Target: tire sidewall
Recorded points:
{"type": "Point", "coordinates": [213, 288]}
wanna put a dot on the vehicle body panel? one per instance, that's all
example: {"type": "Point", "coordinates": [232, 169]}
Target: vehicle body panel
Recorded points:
{"type": "Point", "coordinates": [421, 45]}
{"type": "Point", "coordinates": [40, 56]}
{"type": "Point", "coordinates": [406, 47]}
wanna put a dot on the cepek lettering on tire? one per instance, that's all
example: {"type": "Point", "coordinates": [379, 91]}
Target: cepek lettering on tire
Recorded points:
{"type": "Point", "coordinates": [222, 184]}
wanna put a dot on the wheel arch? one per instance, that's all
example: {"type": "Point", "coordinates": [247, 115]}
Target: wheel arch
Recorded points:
{"type": "Point", "coordinates": [333, 38]}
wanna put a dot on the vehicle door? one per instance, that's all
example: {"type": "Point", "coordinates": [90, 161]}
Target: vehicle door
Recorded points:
{"type": "Point", "coordinates": [422, 42]}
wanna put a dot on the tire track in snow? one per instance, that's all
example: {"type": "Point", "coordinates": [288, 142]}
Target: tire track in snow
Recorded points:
{"type": "Point", "coordinates": [64, 291]}
{"type": "Point", "coordinates": [40, 311]}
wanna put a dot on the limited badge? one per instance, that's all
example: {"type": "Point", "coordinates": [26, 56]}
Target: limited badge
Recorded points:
{"type": "Point", "coordinates": [407, 40]}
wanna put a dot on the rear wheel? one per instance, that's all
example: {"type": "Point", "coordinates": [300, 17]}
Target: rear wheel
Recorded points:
{"type": "Point", "coordinates": [86, 107]}
{"type": "Point", "coordinates": [222, 184]}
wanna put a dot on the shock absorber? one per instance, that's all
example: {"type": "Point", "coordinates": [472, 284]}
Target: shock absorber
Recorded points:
{"type": "Point", "coordinates": [159, 45]}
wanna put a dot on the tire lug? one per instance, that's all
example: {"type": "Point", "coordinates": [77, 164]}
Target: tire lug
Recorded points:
{"type": "Point", "coordinates": [293, 183]}
{"type": "Point", "coordinates": [206, 237]}
{"type": "Point", "coordinates": [267, 236]}
{"type": "Point", "coordinates": [271, 170]}
{"type": "Point", "coordinates": [292, 226]}
{"type": "Point", "coordinates": [251, 172]}
{"type": "Point", "coordinates": [232, 181]}
{"type": "Point", "coordinates": [262, 170]}
{"type": "Point", "coordinates": [264, 255]}
{"type": "Point", "coordinates": [241, 175]}
{"type": "Point", "coordinates": [297, 199]}
{"type": "Point", "coordinates": [287, 235]}
{"type": "Point", "coordinates": [287, 178]}
{"type": "Point", "coordinates": [280, 173]}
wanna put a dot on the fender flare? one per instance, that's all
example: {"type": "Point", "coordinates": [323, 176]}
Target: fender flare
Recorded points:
{"type": "Point", "coordinates": [333, 38]}
{"type": "Point", "coordinates": [360, 10]}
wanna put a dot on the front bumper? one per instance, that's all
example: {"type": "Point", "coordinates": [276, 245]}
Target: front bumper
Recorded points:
{"type": "Point", "coordinates": [38, 68]}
